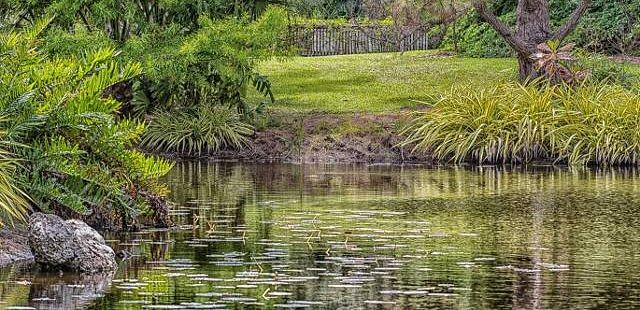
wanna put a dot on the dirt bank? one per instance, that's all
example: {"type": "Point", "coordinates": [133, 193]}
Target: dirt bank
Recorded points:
{"type": "Point", "coordinates": [327, 138]}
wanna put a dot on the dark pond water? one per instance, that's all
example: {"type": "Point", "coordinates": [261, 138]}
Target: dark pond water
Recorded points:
{"type": "Point", "coordinates": [370, 237]}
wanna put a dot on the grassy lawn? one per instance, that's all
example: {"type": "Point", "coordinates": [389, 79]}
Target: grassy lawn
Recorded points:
{"type": "Point", "coordinates": [376, 82]}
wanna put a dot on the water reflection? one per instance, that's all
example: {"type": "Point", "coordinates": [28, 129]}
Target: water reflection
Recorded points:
{"type": "Point", "coordinates": [377, 237]}
{"type": "Point", "coordinates": [46, 290]}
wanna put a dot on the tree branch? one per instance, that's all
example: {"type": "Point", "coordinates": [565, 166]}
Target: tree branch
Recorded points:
{"type": "Point", "coordinates": [519, 45]}
{"type": "Point", "coordinates": [571, 24]}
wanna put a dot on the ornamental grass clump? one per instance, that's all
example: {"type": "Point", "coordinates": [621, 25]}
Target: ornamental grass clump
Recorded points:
{"type": "Point", "coordinates": [512, 123]}
{"type": "Point", "coordinates": [14, 204]}
{"type": "Point", "coordinates": [196, 131]}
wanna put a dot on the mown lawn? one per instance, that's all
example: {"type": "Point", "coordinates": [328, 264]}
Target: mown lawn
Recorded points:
{"type": "Point", "coordinates": [376, 82]}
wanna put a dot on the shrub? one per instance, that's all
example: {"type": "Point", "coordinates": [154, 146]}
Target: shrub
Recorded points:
{"type": "Point", "coordinates": [190, 51]}
{"type": "Point", "coordinates": [610, 26]}
{"type": "Point", "coordinates": [213, 64]}
{"type": "Point", "coordinates": [478, 39]}
{"type": "Point", "coordinates": [592, 124]}
{"type": "Point", "coordinates": [196, 131]}
{"type": "Point", "coordinates": [75, 153]}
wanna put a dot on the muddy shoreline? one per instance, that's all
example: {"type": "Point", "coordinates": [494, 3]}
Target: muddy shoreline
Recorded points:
{"type": "Point", "coordinates": [325, 138]}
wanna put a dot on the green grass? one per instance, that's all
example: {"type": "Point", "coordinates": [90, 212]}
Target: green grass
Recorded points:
{"type": "Point", "coordinates": [385, 82]}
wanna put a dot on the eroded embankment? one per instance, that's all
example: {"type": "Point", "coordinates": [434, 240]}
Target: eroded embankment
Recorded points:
{"type": "Point", "coordinates": [326, 138]}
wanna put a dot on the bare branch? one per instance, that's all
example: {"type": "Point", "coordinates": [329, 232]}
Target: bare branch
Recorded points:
{"type": "Point", "coordinates": [571, 24]}
{"type": "Point", "coordinates": [519, 45]}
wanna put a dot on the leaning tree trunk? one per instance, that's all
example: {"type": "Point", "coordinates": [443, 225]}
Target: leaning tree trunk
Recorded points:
{"type": "Point", "coordinates": [533, 28]}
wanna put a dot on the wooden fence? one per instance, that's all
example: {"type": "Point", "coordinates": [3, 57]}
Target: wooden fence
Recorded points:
{"type": "Point", "coordinates": [322, 40]}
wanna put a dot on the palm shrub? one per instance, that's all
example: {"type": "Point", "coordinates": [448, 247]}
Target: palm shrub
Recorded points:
{"type": "Point", "coordinates": [196, 131]}
{"type": "Point", "coordinates": [75, 152]}
{"type": "Point", "coordinates": [512, 123]}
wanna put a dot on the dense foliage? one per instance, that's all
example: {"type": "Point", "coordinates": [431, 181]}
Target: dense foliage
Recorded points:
{"type": "Point", "coordinates": [198, 52]}
{"type": "Point", "coordinates": [74, 151]}
{"type": "Point", "coordinates": [592, 124]}
{"type": "Point", "coordinates": [124, 18]}
{"type": "Point", "coordinates": [76, 93]}
{"type": "Point", "coordinates": [610, 27]}
{"type": "Point", "coordinates": [213, 65]}
{"type": "Point", "coordinates": [325, 9]}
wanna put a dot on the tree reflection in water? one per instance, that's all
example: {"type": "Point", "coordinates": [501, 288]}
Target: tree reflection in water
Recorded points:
{"type": "Point", "coordinates": [382, 237]}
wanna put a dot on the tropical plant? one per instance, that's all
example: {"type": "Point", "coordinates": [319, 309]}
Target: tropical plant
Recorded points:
{"type": "Point", "coordinates": [591, 124]}
{"type": "Point", "coordinates": [213, 64]}
{"type": "Point", "coordinates": [196, 131]}
{"type": "Point", "coordinates": [13, 201]}
{"type": "Point", "coordinates": [75, 152]}
{"type": "Point", "coordinates": [556, 63]}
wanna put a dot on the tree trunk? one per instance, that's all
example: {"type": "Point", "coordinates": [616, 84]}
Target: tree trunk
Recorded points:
{"type": "Point", "coordinates": [533, 28]}
{"type": "Point", "coordinates": [533, 22]}
{"type": "Point", "coordinates": [526, 68]}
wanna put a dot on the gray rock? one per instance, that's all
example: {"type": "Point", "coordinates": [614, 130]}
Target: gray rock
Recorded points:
{"type": "Point", "coordinates": [50, 239]}
{"type": "Point", "coordinates": [70, 245]}
{"type": "Point", "coordinates": [14, 247]}
{"type": "Point", "coordinates": [82, 230]}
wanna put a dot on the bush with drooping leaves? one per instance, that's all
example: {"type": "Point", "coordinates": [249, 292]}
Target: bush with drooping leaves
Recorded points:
{"type": "Point", "coordinates": [196, 131]}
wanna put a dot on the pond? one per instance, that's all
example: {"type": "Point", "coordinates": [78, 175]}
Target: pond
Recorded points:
{"type": "Point", "coordinates": [271, 236]}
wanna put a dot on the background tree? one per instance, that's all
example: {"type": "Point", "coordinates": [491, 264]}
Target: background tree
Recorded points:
{"type": "Point", "coordinates": [324, 8]}
{"type": "Point", "coordinates": [533, 27]}
{"type": "Point", "coordinates": [406, 17]}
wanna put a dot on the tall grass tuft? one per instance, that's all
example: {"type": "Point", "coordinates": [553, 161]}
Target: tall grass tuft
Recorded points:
{"type": "Point", "coordinates": [512, 123]}
{"type": "Point", "coordinates": [14, 203]}
{"type": "Point", "coordinates": [196, 131]}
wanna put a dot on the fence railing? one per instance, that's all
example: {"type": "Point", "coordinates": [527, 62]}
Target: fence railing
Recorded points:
{"type": "Point", "coordinates": [340, 40]}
